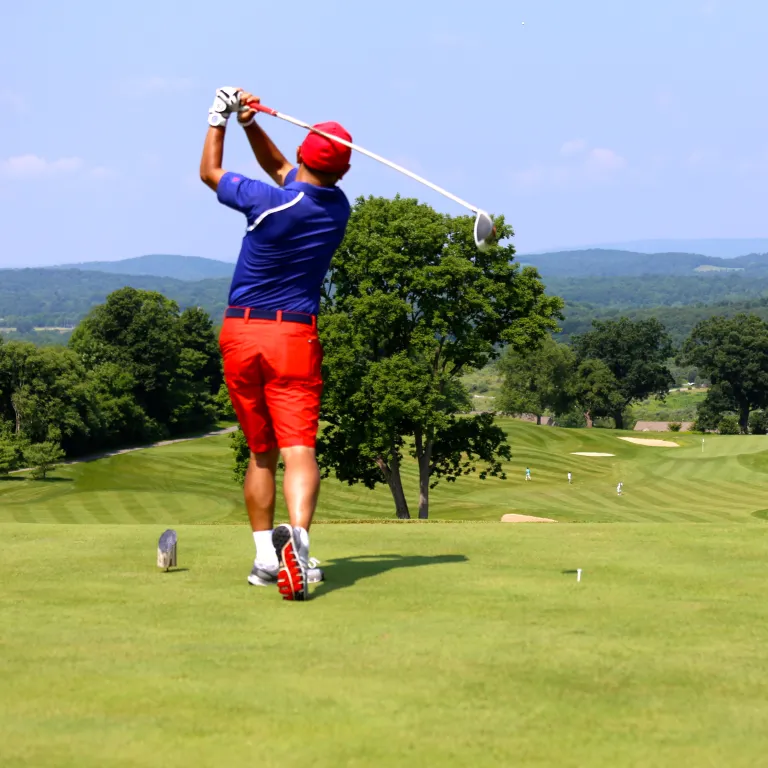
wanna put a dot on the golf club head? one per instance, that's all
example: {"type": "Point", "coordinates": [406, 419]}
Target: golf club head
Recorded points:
{"type": "Point", "coordinates": [485, 232]}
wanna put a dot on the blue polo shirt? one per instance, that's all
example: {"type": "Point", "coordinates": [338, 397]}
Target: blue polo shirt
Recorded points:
{"type": "Point", "coordinates": [292, 234]}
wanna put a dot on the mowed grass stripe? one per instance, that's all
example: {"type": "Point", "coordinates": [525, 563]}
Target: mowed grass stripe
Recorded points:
{"type": "Point", "coordinates": [192, 483]}
{"type": "Point", "coordinates": [450, 645]}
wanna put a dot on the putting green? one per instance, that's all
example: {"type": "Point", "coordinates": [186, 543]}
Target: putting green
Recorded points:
{"type": "Point", "coordinates": [450, 645]}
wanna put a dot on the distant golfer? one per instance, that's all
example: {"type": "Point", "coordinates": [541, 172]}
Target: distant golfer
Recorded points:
{"type": "Point", "coordinates": [527, 473]}
{"type": "Point", "coordinates": [272, 355]}
{"type": "Point", "coordinates": [569, 478]}
{"type": "Point", "coordinates": [619, 488]}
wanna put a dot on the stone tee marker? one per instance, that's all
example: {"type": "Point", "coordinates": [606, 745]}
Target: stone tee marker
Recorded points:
{"type": "Point", "coordinates": [166, 550]}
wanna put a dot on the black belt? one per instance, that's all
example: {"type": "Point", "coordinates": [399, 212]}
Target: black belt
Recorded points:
{"type": "Point", "coordinates": [269, 314]}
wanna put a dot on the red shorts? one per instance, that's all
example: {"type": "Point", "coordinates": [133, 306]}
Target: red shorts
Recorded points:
{"type": "Point", "coordinates": [273, 374]}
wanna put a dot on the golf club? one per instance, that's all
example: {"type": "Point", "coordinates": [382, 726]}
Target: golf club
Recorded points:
{"type": "Point", "coordinates": [484, 229]}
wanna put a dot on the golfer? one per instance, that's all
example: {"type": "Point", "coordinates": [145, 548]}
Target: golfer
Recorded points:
{"type": "Point", "coordinates": [272, 355]}
{"type": "Point", "coordinates": [527, 473]}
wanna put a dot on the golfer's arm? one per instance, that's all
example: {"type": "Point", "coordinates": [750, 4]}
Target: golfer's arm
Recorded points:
{"type": "Point", "coordinates": [268, 156]}
{"type": "Point", "coordinates": [213, 156]}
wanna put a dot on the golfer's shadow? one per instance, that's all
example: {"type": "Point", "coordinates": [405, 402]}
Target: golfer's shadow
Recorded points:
{"type": "Point", "coordinates": [346, 571]}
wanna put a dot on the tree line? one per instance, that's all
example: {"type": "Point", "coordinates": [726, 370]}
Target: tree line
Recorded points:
{"type": "Point", "coordinates": [136, 370]}
{"type": "Point", "coordinates": [619, 362]}
{"type": "Point", "coordinates": [409, 308]}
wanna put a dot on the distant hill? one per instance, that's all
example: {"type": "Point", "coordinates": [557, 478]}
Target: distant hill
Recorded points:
{"type": "Point", "coordinates": [160, 265]}
{"type": "Point", "coordinates": [62, 297]}
{"type": "Point", "coordinates": [725, 248]}
{"type": "Point", "coordinates": [598, 262]}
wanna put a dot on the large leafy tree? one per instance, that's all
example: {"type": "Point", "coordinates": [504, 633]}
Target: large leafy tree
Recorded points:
{"type": "Point", "coordinates": [635, 352]}
{"type": "Point", "coordinates": [733, 353]}
{"type": "Point", "coordinates": [171, 358]}
{"type": "Point", "coordinates": [537, 380]}
{"type": "Point", "coordinates": [43, 394]}
{"type": "Point", "coordinates": [595, 391]}
{"type": "Point", "coordinates": [409, 307]}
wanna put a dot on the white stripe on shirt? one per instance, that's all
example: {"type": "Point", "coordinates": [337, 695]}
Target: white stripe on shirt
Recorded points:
{"type": "Point", "coordinates": [275, 210]}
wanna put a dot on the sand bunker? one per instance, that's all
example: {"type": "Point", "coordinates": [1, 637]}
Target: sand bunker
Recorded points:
{"type": "Point", "coordinates": [655, 443]}
{"type": "Point", "coordinates": [590, 453]}
{"type": "Point", "coordinates": [525, 519]}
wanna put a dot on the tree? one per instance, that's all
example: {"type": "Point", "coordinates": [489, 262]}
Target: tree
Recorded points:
{"type": "Point", "coordinates": [171, 358]}
{"type": "Point", "coordinates": [595, 390]}
{"type": "Point", "coordinates": [224, 405]}
{"type": "Point", "coordinates": [635, 352]}
{"type": "Point", "coordinates": [137, 330]}
{"type": "Point", "coordinates": [43, 391]}
{"type": "Point", "coordinates": [537, 380]}
{"type": "Point", "coordinates": [9, 454]}
{"type": "Point", "coordinates": [196, 333]}
{"type": "Point", "coordinates": [733, 354]}
{"type": "Point", "coordinates": [42, 457]}
{"type": "Point", "coordinates": [411, 305]}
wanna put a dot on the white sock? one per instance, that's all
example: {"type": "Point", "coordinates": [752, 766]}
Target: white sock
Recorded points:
{"type": "Point", "coordinates": [265, 550]}
{"type": "Point", "coordinates": [304, 539]}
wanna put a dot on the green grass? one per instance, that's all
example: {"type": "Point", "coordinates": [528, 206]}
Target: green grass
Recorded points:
{"type": "Point", "coordinates": [677, 406]}
{"type": "Point", "coordinates": [451, 645]}
{"type": "Point", "coordinates": [448, 645]}
{"type": "Point", "coordinates": [191, 483]}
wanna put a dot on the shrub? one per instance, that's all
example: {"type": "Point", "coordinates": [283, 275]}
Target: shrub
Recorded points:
{"type": "Point", "coordinates": [728, 425]}
{"type": "Point", "coordinates": [573, 419]}
{"type": "Point", "coordinates": [674, 426]}
{"type": "Point", "coordinates": [42, 457]}
{"type": "Point", "coordinates": [758, 423]}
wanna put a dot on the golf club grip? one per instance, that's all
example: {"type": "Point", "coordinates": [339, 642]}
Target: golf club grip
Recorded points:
{"type": "Point", "coordinates": [261, 108]}
{"type": "Point", "coordinates": [301, 124]}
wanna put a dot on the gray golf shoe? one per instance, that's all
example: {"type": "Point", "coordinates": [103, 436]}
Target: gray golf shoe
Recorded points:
{"type": "Point", "coordinates": [263, 575]}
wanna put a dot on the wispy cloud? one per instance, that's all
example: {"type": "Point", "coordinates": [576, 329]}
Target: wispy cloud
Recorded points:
{"type": "Point", "coordinates": [102, 172]}
{"type": "Point", "coordinates": [34, 166]}
{"type": "Point", "coordinates": [582, 163]}
{"type": "Point", "coordinates": [37, 167]}
{"type": "Point", "coordinates": [140, 87]}
{"type": "Point", "coordinates": [604, 160]}
{"type": "Point", "coordinates": [573, 147]}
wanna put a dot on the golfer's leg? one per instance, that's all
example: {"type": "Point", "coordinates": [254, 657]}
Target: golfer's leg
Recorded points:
{"type": "Point", "coordinates": [301, 484]}
{"type": "Point", "coordinates": [259, 490]}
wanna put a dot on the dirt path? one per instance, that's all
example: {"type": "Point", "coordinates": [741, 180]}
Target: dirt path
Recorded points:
{"type": "Point", "coordinates": [121, 451]}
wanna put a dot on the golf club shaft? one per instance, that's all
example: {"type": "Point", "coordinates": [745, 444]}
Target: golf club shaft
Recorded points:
{"type": "Point", "coordinates": [372, 155]}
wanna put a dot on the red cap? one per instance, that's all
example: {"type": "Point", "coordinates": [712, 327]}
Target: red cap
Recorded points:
{"type": "Point", "coordinates": [326, 155]}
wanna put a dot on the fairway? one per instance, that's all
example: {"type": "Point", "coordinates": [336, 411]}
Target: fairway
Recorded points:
{"type": "Point", "coordinates": [192, 483]}
{"type": "Point", "coordinates": [444, 645]}
{"type": "Point", "coordinates": [455, 644]}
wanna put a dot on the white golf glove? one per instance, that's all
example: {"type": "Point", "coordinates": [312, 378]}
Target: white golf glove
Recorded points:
{"type": "Point", "coordinates": [226, 102]}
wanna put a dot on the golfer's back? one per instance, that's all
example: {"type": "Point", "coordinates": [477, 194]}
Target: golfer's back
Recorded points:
{"type": "Point", "coordinates": [291, 237]}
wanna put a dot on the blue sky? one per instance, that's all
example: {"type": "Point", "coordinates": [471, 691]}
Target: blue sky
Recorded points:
{"type": "Point", "coordinates": [593, 121]}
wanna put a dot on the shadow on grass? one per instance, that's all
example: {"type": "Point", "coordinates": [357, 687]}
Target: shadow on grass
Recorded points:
{"type": "Point", "coordinates": [51, 480]}
{"type": "Point", "coordinates": [347, 571]}
{"type": "Point", "coordinates": [177, 570]}
{"type": "Point", "coordinates": [11, 479]}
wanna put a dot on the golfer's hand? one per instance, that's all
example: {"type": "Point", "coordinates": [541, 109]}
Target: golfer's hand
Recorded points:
{"type": "Point", "coordinates": [246, 115]}
{"type": "Point", "coordinates": [226, 101]}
